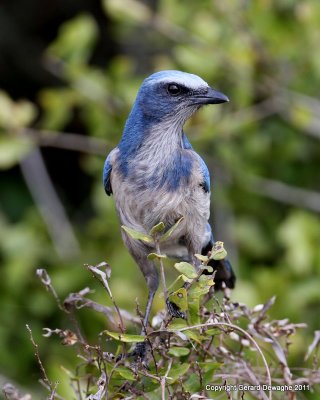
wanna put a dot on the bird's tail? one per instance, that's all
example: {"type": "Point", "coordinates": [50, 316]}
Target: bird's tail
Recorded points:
{"type": "Point", "coordinates": [224, 275]}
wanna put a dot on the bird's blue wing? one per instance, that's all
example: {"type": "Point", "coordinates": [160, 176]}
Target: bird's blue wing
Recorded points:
{"type": "Point", "coordinates": [107, 175]}
{"type": "Point", "coordinates": [206, 176]}
{"type": "Point", "coordinates": [185, 142]}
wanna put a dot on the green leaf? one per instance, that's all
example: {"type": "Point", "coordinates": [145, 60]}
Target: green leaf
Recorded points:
{"type": "Point", "coordinates": [13, 150]}
{"type": "Point", "coordinates": [171, 230]}
{"type": "Point", "coordinates": [75, 40]}
{"type": "Point", "coordinates": [186, 269]}
{"type": "Point", "coordinates": [149, 385]}
{"type": "Point", "coordinates": [212, 332]}
{"type": "Point", "coordinates": [197, 290]}
{"type": "Point", "coordinates": [192, 384]}
{"type": "Point", "coordinates": [137, 235]}
{"type": "Point", "coordinates": [160, 227]}
{"type": "Point", "coordinates": [179, 351]}
{"type": "Point", "coordinates": [200, 287]}
{"type": "Point", "coordinates": [207, 268]}
{"type": "Point", "coordinates": [180, 299]}
{"type": "Point", "coordinates": [176, 325]}
{"type": "Point", "coordinates": [176, 371]}
{"type": "Point", "coordinates": [194, 335]}
{"type": "Point", "coordinates": [209, 366]}
{"type": "Point", "coordinates": [178, 282]}
{"type": "Point", "coordinates": [218, 252]}
{"type": "Point", "coordinates": [205, 281]}
{"type": "Point", "coordinates": [202, 258]}
{"type": "Point", "coordinates": [126, 373]}
{"type": "Point", "coordinates": [153, 256]}
{"type": "Point", "coordinates": [193, 310]}
{"type": "Point", "coordinates": [124, 337]}
{"type": "Point", "coordinates": [128, 10]}
{"type": "Point", "coordinates": [209, 369]}
{"type": "Point", "coordinates": [15, 114]}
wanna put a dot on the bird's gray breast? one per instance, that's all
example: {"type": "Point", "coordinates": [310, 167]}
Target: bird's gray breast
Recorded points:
{"type": "Point", "coordinates": [152, 193]}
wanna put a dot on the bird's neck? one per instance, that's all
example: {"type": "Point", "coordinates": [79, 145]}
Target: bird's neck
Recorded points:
{"type": "Point", "coordinates": [145, 134]}
{"type": "Point", "coordinates": [150, 152]}
{"type": "Point", "coordinates": [164, 138]}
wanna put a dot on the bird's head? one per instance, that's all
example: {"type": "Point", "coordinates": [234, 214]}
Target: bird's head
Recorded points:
{"type": "Point", "coordinates": [175, 94]}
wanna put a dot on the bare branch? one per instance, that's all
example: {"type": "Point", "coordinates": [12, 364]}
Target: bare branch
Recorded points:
{"type": "Point", "coordinates": [103, 279]}
{"type": "Point", "coordinates": [43, 275]}
{"type": "Point", "coordinates": [53, 213]}
{"type": "Point", "coordinates": [46, 382]}
{"type": "Point", "coordinates": [68, 141]}
{"type": "Point", "coordinates": [285, 193]}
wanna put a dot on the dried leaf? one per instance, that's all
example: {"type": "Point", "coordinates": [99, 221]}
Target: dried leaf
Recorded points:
{"type": "Point", "coordinates": [313, 345]}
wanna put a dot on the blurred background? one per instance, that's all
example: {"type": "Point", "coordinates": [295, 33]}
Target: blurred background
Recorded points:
{"type": "Point", "coordinates": [69, 73]}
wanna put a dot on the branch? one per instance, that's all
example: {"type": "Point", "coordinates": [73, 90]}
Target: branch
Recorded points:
{"type": "Point", "coordinates": [53, 213]}
{"type": "Point", "coordinates": [285, 193]}
{"type": "Point", "coordinates": [68, 141]}
{"type": "Point", "coordinates": [246, 334]}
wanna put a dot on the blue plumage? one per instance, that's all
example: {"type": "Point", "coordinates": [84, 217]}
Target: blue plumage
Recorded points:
{"type": "Point", "coordinates": [106, 176]}
{"type": "Point", "coordinates": [155, 175]}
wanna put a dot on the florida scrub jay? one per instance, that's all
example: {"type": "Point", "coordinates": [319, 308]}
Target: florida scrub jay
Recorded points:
{"type": "Point", "coordinates": [155, 175]}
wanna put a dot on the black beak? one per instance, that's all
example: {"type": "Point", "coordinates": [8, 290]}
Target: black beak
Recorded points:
{"type": "Point", "coordinates": [211, 97]}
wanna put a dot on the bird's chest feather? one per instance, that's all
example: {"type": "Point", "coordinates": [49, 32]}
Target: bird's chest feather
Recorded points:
{"type": "Point", "coordinates": [162, 190]}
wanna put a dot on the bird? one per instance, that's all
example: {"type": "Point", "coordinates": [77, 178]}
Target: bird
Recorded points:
{"type": "Point", "coordinates": [155, 175]}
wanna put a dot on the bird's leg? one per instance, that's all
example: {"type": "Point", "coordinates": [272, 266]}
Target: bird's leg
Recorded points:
{"type": "Point", "coordinates": [139, 253]}
{"type": "Point", "coordinates": [148, 310]}
{"type": "Point", "coordinates": [140, 349]}
{"type": "Point", "coordinates": [150, 273]}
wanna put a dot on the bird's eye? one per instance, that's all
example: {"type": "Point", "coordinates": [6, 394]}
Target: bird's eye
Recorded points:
{"type": "Point", "coordinates": [173, 89]}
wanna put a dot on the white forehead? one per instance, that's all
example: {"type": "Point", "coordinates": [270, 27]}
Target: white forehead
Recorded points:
{"type": "Point", "coordinates": [183, 78]}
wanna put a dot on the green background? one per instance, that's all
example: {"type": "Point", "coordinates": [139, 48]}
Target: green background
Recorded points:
{"type": "Point", "coordinates": [69, 73]}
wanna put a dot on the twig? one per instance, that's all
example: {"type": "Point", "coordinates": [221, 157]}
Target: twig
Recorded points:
{"type": "Point", "coordinates": [163, 277]}
{"type": "Point", "coordinates": [46, 380]}
{"type": "Point", "coordinates": [12, 393]}
{"type": "Point", "coordinates": [79, 301]}
{"type": "Point", "coordinates": [235, 327]}
{"type": "Point", "coordinates": [102, 278]}
{"type": "Point", "coordinates": [284, 193]}
{"type": "Point", "coordinates": [43, 275]}
{"type": "Point", "coordinates": [53, 213]}
{"type": "Point", "coordinates": [164, 379]}
{"type": "Point", "coordinates": [68, 141]}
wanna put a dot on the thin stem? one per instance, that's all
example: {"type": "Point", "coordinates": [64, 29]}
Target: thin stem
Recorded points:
{"type": "Point", "coordinates": [102, 278]}
{"type": "Point", "coordinates": [163, 277]}
{"type": "Point", "coordinates": [245, 334]}
{"type": "Point", "coordinates": [164, 379]}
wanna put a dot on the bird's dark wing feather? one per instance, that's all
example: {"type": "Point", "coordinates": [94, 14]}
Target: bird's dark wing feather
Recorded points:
{"type": "Point", "coordinates": [106, 175]}
{"type": "Point", "coordinates": [224, 272]}
{"type": "Point", "coordinates": [206, 176]}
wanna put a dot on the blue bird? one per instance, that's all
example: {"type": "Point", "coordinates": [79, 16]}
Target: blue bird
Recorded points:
{"type": "Point", "coordinates": [155, 175]}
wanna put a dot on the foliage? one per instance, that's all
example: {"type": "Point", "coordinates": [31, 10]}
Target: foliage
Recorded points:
{"type": "Point", "coordinates": [232, 349]}
{"type": "Point", "coordinates": [262, 149]}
